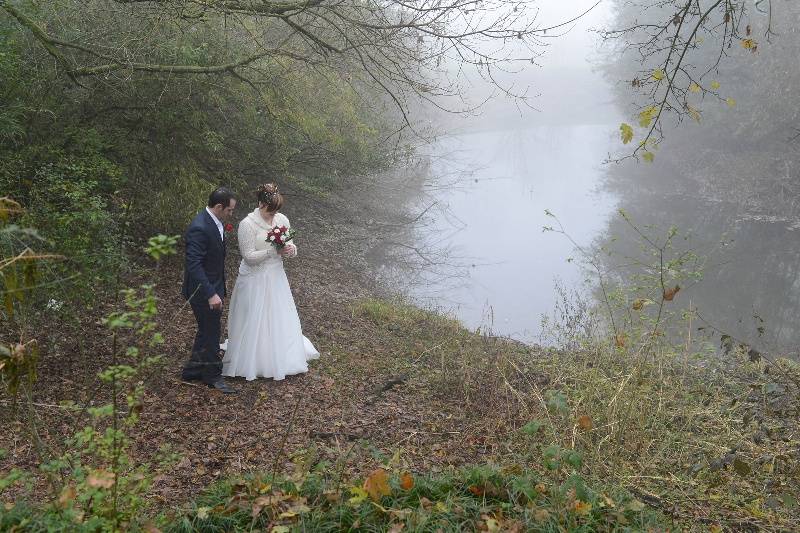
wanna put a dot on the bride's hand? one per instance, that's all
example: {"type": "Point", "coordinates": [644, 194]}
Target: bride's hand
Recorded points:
{"type": "Point", "coordinates": [290, 250]}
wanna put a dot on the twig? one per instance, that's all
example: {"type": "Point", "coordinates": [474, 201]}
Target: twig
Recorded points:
{"type": "Point", "coordinates": [285, 438]}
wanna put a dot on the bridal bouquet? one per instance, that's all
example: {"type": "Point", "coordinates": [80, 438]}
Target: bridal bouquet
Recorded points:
{"type": "Point", "coordinates": [279, 236]}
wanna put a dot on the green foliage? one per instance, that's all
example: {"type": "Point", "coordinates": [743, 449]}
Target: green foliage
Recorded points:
{"type": "Point", "coordinates": [67, 192]}
{"type": "Point", "coordinates": [394, 315]}
{"type": "Point", "coordinates": [100, 167]}
{"type": "Point", "coordinates": [99, 486]}
{"type": "Point", "coordinates": [648, 392]}
{"type": "Point", "coordinates": [11, 110]}
{"type": "Point", "coordinates": [161, 245]}
{"type": "Point", "coordinates": [19, 267]}
{"type": "Point", "coordinates": [556, 401]}
{"type": "Point", "coordinates": [474, 498]}
{"type": "Point", "coordinates": [481, 497]}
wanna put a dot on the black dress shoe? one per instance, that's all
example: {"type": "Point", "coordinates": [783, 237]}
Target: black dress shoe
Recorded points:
{"type": "Point", "coordinates": [223, 387]}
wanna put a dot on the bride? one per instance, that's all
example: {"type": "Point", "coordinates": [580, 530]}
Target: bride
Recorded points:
{"type": "Point", "coordinates": [265, 338]}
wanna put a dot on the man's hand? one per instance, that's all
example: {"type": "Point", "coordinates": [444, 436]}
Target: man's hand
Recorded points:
{"type": "Point", "coordinates": [215, 303]}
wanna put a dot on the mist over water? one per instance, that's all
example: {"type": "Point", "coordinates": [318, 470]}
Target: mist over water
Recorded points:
{"type": "Point", "coordinates": [497, 214]}
{"type": "Point", "coordinates": [512, 165]}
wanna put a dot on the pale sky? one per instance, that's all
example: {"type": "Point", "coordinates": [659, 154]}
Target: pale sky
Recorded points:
{"type": "Point", "coordinates": [569, 89]}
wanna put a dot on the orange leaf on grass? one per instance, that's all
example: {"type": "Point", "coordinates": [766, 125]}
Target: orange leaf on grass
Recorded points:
{"type": "Point", "coordinates": [377, 484]}
{"type": "Point", "coordinates": [406, 481]}
{"type": "Point", "coordinates": [585, 422]}
{"type": "Point", "coordinates": [619, 340]}
{"type": "Point", "coordinates": [582, 508]}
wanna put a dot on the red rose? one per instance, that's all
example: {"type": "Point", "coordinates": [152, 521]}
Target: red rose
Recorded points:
{"type": "Point", "coordinates": [228, 227]}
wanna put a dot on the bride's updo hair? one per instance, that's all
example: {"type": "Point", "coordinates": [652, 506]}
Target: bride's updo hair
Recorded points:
{"type": "Point", "coordinates": [269, 196]}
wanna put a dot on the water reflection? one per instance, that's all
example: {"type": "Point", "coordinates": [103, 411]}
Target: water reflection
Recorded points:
{"type": "Point", "coordinates": [732, 178]}
{"type": "Point", "coordinates": [493, 217]}
{"type": "Point", "coordinates": [496, 215]}
{"type": "Point", "coordinates": [751, 282]}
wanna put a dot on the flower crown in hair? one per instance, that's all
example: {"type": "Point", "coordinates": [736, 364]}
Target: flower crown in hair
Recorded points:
{"type": "Point", "coordinates": [270, 189]}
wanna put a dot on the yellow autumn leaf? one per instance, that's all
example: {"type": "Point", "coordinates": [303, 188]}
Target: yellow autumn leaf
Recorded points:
{"type": "Point", "coordinates": [377, 484]}
{"type": "Point", "coordinates": [492, 525]}
{"type": "Point", "coordinates": [730, 101]}
{"type": "Point", "coordinates": [658, 74]}
{"type": "Point", "coordinates": [699, 40]}
{"type": "Point", "coordinates": [755, 508]}
{"type": "Point", "coordinates": [694, 113]}
{"type": "Point", "coordinates": [693, 87]}
{"type": "Point", "coordinates": [715, 85]}
{"type": "Point", "coordinates": [608, 502]}
{"type": "Point", "coordinates": [648, 156]}
{"type": "Point", "coordinates": [646, 115]}
{"type": "Point", "coordinates": [582, 508]}
{"type": "Point", "coordinates": [359, 495]}
{"type": "Point", "coordinates": [441, 507]}
{"type": "Point", "coordinates": [749, 44]}
{"type": "Point", "coordinates": [626, 132]}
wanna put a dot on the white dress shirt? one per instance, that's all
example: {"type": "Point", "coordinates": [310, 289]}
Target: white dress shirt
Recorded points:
{"type": "Point", "coordinates": [217, 222]}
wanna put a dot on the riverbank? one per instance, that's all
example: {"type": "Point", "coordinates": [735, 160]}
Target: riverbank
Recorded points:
{"type": "Point", "coordinates": [407, 390]}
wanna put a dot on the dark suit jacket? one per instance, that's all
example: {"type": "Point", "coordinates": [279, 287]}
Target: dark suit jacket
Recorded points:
{"type": "Point", "coordinates": [204, 271]}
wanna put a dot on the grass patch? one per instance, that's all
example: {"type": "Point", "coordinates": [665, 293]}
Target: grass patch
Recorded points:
{"type": "Point", "coordinates": [710, 441]}
{"type": "Point", "coordinates": [398, 316]}
{"type": "Point", "coordinates": [478, 498]}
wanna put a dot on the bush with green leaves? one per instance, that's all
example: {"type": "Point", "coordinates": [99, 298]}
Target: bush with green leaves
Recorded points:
{"type": "Point", "coordinates": [67, 195]}
{"type": "Point", "coordinates": [94, 483]}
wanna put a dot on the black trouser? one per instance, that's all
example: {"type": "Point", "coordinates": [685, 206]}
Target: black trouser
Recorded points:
{"type": "Point", "coordinates": [205, 363]}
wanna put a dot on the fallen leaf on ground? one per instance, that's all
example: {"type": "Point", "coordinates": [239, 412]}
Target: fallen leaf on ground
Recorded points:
{"type": "Point", "coordinates": [377, 484]}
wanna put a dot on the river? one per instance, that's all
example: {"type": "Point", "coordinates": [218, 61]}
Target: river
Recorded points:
{"type": "Point", "coordinates": [499, 173]}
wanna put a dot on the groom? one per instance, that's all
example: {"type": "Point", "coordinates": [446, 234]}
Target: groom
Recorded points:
{"type": "Point", "coordinates": [204, 287]}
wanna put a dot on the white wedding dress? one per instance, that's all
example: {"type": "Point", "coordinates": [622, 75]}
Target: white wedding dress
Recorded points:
{"type": "Point", "coordinates": [264, 334]}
